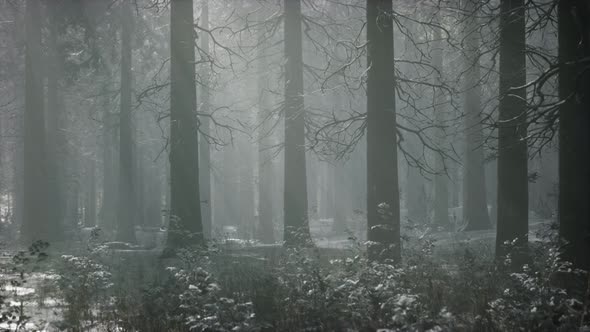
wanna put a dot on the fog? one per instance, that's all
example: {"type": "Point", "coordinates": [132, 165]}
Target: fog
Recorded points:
{"type": "Point", "coordinates": [291, 165]}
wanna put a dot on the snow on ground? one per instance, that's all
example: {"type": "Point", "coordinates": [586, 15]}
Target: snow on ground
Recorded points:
{"type": "Point", "coordinates": [45, 310]}
{"type": "Point", "coordinates": [33, 297]}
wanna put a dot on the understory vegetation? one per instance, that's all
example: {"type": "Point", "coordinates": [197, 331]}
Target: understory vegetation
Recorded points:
{"type": "Point", "coordinates": [294, 165]}
{"type": "Point", "coordinates": [451, 287]}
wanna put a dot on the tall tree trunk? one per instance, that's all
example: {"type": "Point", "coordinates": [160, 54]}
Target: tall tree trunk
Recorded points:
{"type": "Point", "coordinates": [492, 193]}
{"type": "Point", "coordinates": [228, 195]}
{"type": "Point", "coordinates": [168, 194]}
{"type": "Point", "coordinates": [574, 137]}
{"type": "Point", "coordinates": [416, 199]}
{"type": "Point", "coordinates": [90, 193]}
{"type": "Point", "coordinates": [140, 179]}
{"type": "Point", "coordinates": [475, 206]}
{"type": "Point", "coordinates": [17, 123]}
{"type": "Point", "coordinates": [205, 152]}
{"type": "Point", "coordinates": [383, 216]}
{"type": "Point", "coordinates": [73, 192]}
{"type": "Point", "coordinates": [328, 192]}
{"type": "Point", "coordinates": [456, 189]}
{"type": "Point", "coordinates": [341, 188]}
{"type": "Point", "coordinates": [127, 207]}
{"type": "Point", "coordinates": [186, 226]}
{"type": "Point", "coordinates": [265, 230]}
{"type": "Point", "coordinates": [246, 190]}
{"type": "Point", "coordinates": [108, 213]}
{"type": "Point", "coordinates": [512, 146]}
{"type": "Point", "coordinates": [55, 138]}
{"type": "Point", "coordinates": [441, 179]}
{"type": "Point", "coordinates": [296, 227]}
{"type": "Point", "coordinates": [153, 192]}
{"type": "Point", "coordinates": [35, 225]}
{"type": "Point", "coordinates": [18, 200]}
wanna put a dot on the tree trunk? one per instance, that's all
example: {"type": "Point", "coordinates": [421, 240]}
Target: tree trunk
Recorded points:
{"type": "Point", "coordinates": [127, 207]}
{"type": "Point", "coordinates": [574, 137]}
{"type": "Point", "coordinates": [185, 221]}
{"type": "Point", "coordinates": [415, 195]}
{"type": "Point", "coordinates": [340, 185]}
{"type": "Point", "coordinates": [441, 179]}
{"type": "Point", "coordinates": [17, 122]}
{"type": "Point", "coordinates": [246, 190]}
{"type": "Point", "coordinates": [73, 192]}
{"type": "Point", "coordinates": [90, 194]}
{"type": "Point", "coordinates": [167, 193]}
{"type": "Point", "coordinates": [108, 213]}
{"type": "Point", "coordinates": [140, 178]}
{"type": "Point", "coordinates": [512, 147]}
{"type": "Point", "coordinates": [228, 197]}
{"type": "Point", "coordinates": [475, 206]}
{"type": "Point", "coordinates": [35, 225]}
{"type": "Point", "coordinates": [383, 219]}
{"type": "Point", "coordinates": [296, 227]}
{"type": "Point", "coordinates": [153, 193]}
{"type": "Point", "coordinates": [265, 230]}
{"type": "Point", "coordinates": [55, 139]}
{"type": "Point", "coordinates": [205, 152]}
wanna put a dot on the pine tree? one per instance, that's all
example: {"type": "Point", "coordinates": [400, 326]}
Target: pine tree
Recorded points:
{"type": "Point", "coordinates": [512, 146]}
{"type": "Point", "coordinates": [185, 205]}
{"type": "Point", "coordinates": [295, 195]}
{"type": "Point", "coordinates": [383, 219]}
{"type": "Point", "coordinates": [574, 134]}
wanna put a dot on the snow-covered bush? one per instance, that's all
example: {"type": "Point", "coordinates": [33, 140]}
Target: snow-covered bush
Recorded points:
{"type": "Point", "coordinates": [83, 285]}
{"type": "Point", "coordinates": [202, 304]}
{"type": "Point", "coordinates": [536, 300]}
{"type": "Point", "coordinates": [456, 288]}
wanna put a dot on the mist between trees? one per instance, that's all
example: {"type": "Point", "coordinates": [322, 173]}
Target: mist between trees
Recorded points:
{"type": "Point", "coordinates": [331, 147]}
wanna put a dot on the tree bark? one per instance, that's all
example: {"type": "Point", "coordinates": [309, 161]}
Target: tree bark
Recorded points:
{"type": "Point", "coordinates": [574, 137]}
{"type": "Point", "coordinates": [108, 213]}
{"type": "Point", "coordinates": [185, 221]}
{"type": "Point", "coordinates": [55, 117]}
{"type": "Point", "coordinates": [154, 206]}
{"type": "Point", "coordinates": [90, 193]}
{"type": "Point", "coordinates": [341, 196]}
{"type": "Point", "coordinates": [441, 179]}
{"type": "Point", "coordinates": [246, 190]}
{"type": "Point", "coordinates": [475, 206]}
{"type": "Point", "coordinates": [512, 146]}
{"type": "Point", "coordinates": [383, 219]}
{"type": "Point", "coordinates": [127, 201]}
{"type": "Point", "coordinates": [296, 226]}
{"type": "Point", "coordinates": [36, 187]}
{"type": "Point", "coordinates": [205, 152]}
{"type": "Point", "coordinates": [265, 230]}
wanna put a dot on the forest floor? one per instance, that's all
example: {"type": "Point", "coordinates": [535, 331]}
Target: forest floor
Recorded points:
{"type": "Point", "coordinates": [32, 293]}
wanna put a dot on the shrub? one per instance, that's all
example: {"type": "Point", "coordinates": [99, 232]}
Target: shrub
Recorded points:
{"type": "Point", "coordinates": [456, 289]}
{"type": "Point", "coordinates": [82, 283]}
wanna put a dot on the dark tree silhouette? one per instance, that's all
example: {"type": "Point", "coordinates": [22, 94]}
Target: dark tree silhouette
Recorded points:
{"type": "Point", "coordinates": [296, 224]}
{"type": "Point", "coordinates": [512, 146]}
{"type": "Point", "coordinates": [90, 193]}
{"type": "Point", "coordinates": [127, 207]}
{"type": "Point", "coordinates": [56, 142]}
{"type": "Point", "coordinates": [35, 224]}
{"type": "Point", "coordinates": [574, 133]}
{"type": "Point", "coordinates": [441, 179]}
{"type": "Point", "coordinates": [185, 209]}
{"type": "Point", "coordinates": [383, 220]}
{"type": "Point", "coordinates": [204, 148]}
{"type": "Point", "coordinates": [475, 208]}
{"type": "Point", "coordinates": [265, 230]}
